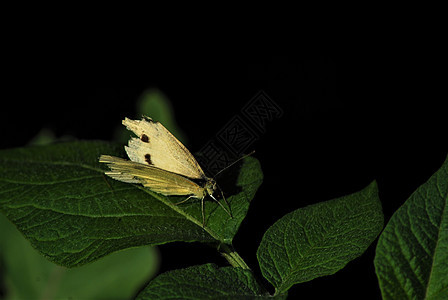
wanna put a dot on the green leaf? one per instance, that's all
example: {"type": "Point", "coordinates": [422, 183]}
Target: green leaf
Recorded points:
{"type": "Point", "coordinates": [59, 198]}
{"type": "Point", "coordinates": [29, 275]}
{"type": "Point", "coordinates": [320, 239]}
{"type": "Point", "coordinates": [411, 259]}
{"type": "Point", "coordinates": [204, 282]}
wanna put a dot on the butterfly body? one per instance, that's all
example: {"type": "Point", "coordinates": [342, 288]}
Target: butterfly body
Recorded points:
{"type": "Point", "coordinates": [161, 163]}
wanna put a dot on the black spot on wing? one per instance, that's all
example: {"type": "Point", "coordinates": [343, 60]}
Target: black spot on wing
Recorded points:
{"type": "Point", "coordinates": [144, 138]}
{"type": "Point", "coordinates": [148, 159]}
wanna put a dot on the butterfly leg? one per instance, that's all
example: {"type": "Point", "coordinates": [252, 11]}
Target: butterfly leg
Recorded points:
{"type": "Point", "coordinates": [203, 211]}
{"type": "Point", "coordinates": [227, 203]}
{"type": "Point", "coordinates": [202, 207]}
{"type": "Point", "coordinates": [108, 184]}
{"type": "Point", "coordinates": [221, 205]}
{"type": "Point", "coordinates": [185, 200]}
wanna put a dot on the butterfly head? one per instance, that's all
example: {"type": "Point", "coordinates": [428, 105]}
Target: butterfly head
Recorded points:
{"type": "Point", "coordinates": [210, 186]}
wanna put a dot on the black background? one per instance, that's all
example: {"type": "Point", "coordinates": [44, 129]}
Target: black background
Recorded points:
{"type": "Point", "coordinates": [347, 119]}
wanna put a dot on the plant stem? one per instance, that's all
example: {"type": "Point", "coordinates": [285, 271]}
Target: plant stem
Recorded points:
{"type": "Point", "coordinates": [232, 256]}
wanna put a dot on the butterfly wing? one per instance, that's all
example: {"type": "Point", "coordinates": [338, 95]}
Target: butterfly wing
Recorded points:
{"type": "Point", "coordinates": [156, 146]}
{"type": "Point", "coordinates": [158, 180]}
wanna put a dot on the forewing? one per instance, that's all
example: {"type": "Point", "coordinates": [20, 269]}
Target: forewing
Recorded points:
{"type": "Point", "coordinates": [159, 181]}
{"type": "Point", "coordinates": [156, 146]}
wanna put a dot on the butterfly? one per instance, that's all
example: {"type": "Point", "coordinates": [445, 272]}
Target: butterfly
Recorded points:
{"type": "Point", "coordinates": [160, 162]}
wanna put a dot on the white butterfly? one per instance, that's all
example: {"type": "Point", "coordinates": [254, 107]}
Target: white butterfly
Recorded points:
{"type": "Point", "coordinates": [160, 162]}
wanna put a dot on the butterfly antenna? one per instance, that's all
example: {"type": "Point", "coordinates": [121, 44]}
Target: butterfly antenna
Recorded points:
{"type": "Point", "coordinates": [242, 157]}
{"type": "Point", "coordinates": [203, 212]}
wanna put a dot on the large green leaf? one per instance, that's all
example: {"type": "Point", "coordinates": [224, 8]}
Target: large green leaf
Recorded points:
{"type": "Point", "coordinates": [28, 275]}
{"type": "Point", "coordinates": [320, 239]}
{"type": "Point", "coordinates": [204, 282]}
{"type": "Point", "coordinates": [411, 259]}
{"type": "Point", "coordinates": [59, 198]}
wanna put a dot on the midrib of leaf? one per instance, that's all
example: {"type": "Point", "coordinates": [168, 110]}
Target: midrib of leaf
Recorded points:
{"type": "Point", "coordinates": [57, 163]}
{"type": "Point", "coordinates": [48, 182]}
{"type": "Point", "coordinates": [85, 166]}
{"type": "Point", "coordinates": [444, 215]}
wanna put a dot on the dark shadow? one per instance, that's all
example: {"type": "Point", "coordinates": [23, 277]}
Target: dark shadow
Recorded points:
{"type": "Point", "coordinates": [228, 180]}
